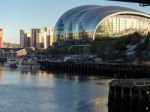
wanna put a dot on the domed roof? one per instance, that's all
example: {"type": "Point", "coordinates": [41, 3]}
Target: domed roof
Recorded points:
{"type": "Point", "coordinates": [87, 17]}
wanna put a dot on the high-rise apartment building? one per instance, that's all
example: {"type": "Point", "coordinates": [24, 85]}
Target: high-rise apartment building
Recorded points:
{"type": "Point", "coordinates": [1, 37]}
{"type": "Point", "coordinates": [35, 33]}
{"type": "Point", "coordinates": [50, 37]}
{"type": "Point", "coordinates": [38, 38]}
{"type": "Point", "coordinates": [21, 38]}
{"type": "Point", "coordinates": [46, 37]}
{"type": "Point", "coordinates": [25, 39]}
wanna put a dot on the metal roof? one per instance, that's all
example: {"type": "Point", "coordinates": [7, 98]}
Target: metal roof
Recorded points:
{"type": "Point", "coordinates": [88, 17]}
{"type": "Point", "coordinates": [134, 1]}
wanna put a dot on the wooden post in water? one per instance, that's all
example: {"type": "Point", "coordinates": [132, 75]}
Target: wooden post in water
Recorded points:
{"type": "Point", "coordinates": [129, 95]}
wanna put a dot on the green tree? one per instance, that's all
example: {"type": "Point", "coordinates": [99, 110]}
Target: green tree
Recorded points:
{"type": "Point", "coordinates": [120, 45]}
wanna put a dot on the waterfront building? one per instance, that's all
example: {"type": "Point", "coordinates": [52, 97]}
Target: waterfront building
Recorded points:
{"type": "Point", "coordinates": [1, 37]}
{"type": "Point", "coordinates": [10, 45]}
{"type": "Point", "coordinates": [11, 53]}
{"type": "Point", "coordinates": [93, 21]}
{"type": "Point", "coordinates": [46, 37]}
{"type": "Point", "coordinates": [37, 38]}
{"type": "Point", "coordinates": [25, 39]}
{"type": "Point", "coordinates": [22, 36]}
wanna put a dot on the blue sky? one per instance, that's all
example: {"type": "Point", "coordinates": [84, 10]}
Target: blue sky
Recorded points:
{"type": "Point", "coordinates": [26, 14]}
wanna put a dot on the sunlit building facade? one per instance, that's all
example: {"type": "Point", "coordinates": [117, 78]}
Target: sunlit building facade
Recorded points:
{"type": "Point", "coordinates": [92, 21]}
{"type": "Point", "coordinates": [25, 38]}
{"type": "Point", "coordinates": [46, 37]}
{"type": "Point", "coordinates": [37, 38]}
{"type": "Point", "coordinates": [1, 38]}
{"type": "Point", "coordinates": [35, 35]}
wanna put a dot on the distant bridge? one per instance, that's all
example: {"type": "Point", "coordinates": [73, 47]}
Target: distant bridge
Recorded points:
{"type": "Point", "coordinates": [141, 2]}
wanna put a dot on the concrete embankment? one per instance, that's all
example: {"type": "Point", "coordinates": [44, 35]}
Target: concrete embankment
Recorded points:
{"type": "Point", "coordinates": [111, 70]}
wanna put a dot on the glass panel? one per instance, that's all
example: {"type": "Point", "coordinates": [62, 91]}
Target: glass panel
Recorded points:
{"type": "Point", "coordinates": [120, 25]}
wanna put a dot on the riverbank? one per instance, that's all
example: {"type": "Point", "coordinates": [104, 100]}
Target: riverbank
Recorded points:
{"type": "Point", "coordinates": [109, 70]}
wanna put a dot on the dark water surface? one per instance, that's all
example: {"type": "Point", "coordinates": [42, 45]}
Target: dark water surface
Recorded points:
{"type": "Point", "coordinates": [40, 91]}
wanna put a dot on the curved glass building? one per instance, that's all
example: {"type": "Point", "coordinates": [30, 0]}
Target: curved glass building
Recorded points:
{"type": "Point", "coordinates": [92, 21]}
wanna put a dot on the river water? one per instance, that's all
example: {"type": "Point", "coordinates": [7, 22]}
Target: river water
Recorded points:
{"type": "Point", "coordinates": [40, 91]}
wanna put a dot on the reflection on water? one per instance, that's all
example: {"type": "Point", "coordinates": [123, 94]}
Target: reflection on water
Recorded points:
{"type": "Point", "coordinates": [40, 91]}
{"type": "Point", "coordinates": [95, 105]}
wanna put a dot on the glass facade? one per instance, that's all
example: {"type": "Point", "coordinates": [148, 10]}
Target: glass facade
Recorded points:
{"type": "Point", "coordinates": [70, 24]}
{"type": "Point", "coordinates": [92, 21]}
{"type": "Point", "coordinates": [120, 25]}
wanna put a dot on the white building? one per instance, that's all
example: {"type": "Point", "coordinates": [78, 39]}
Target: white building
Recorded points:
{"type": "Point", "coordinates": [46, 37]}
